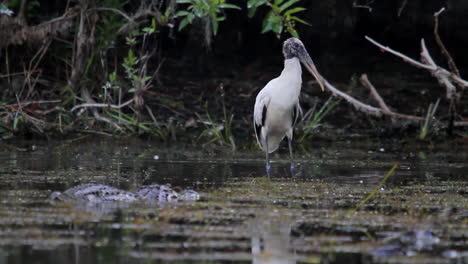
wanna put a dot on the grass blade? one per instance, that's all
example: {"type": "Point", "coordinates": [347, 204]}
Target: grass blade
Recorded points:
{"type": "Point", "coordinates": [376, 189]}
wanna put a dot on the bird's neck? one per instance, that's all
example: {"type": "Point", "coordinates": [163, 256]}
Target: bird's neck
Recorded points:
{"type": "Point", "coordinates": [292, 67]}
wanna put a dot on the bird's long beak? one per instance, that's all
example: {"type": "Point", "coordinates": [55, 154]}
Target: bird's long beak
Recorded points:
{"type": "Point", "coordinates": [309, 64]}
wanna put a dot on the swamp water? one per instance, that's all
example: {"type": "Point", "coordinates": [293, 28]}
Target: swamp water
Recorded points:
{"type": "Point", "coordinates": [420, 214]}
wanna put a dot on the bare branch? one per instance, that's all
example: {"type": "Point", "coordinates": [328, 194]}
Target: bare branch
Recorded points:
{"type": "Point", "coordinates": [436, 14]}
{"type": "Point", "coordinates": [355, 5]}
{"type": "Point", "coordinates": [450, 61]}
{"type": "Point", "coordinates": [444, 77]}
{"type": "Point", "coordinates": [402, 7]}
{"type": "Point", "coordinates": [440, 74]}
{"type": "Point", "coordinates": [401, 55]}
{"type": "Point", "coordinates": [459, 81]}
{"type": "Point", "coordinates": [368, 109]}
{"type": "Point", "coordinates": [356, 103]}
{"type": "Point", "coordinates": [365, 81]}
{"type": "Point", "coordinates": [460, 123]}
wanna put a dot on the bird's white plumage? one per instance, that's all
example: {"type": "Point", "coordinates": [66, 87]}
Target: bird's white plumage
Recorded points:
{"type": "Point", "coordinates": [280, 98]}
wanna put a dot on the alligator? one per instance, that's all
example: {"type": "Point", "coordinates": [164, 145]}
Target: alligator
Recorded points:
{"type": "Point", "coordinates": [95, 194]}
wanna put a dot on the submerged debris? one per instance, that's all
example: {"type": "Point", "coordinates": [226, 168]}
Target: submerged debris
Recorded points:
{"type": "Point", "coordinates": [407, 243]}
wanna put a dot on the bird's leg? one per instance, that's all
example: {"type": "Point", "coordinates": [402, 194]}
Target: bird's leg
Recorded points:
{"type": "Point", "coordinates": [291, 155]}
{"type": "Point", "coordinates": [268, 166]}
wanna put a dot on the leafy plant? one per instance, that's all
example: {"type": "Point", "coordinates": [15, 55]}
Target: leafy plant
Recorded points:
{"type": "Point", "coordinates": [280, 17]}
{"type": "Point", "coordinates": [220, 133]}
{"type": "Point", "coordinates": [213, 9]}
{"type": "Point", "coordinates": [312, 118]}
{"type": "Point", "coordinates": [427, 121]}
{"type": "Point", "coordinates": [136, 78]}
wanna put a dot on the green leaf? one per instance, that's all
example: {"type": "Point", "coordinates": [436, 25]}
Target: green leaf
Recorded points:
{"type": "Point", "coordinates": [168, 12]}
{"type": "Point", "coordinates": [300, 20]}
{"type": "Point", "coordinates": [183, 1]}
{"type": "Point", "coordinates": [272, 23]}
{"type": "Point", "coordinates": [278, 2]}
{"type": "Point", "coordinates": [199, 12]}
{"type": "Point", "coordinates": [190, 18]}
{"type": "Point", "coordinates": [183, 23]}
{"type": "Point", "coordinates": [287, 4]}
{"type": "Point", "coordinates": [215, 24]}
{"type": "Point", "coordinates": [15, 123]}
{"type": "Point", "coordinates": [130, 59]}
{"type": "Point", "coordinates": [294, 10]}
{"type": "Point", "coordinates": [266, 25]}
{"type": "Point", "coordinates": [112, 76]}
{"type": "Point", "coordinates": [251, 11]}
{"type": "Point", "coordinates": [252, 6]}
{"type": "Point", "coordinates": [181, 13]}
{"type": "Point", "coordinates": [277, 25]}
{"type": "Point", "coordinates": [148, 30]}
{"type": "Point", "coordinates": [254, 3]}
{"type": "Point", "coordinates": [250, 3]}
{"type": "Point", "coordinates": [231, 6]}
{"type": "Point", "coordinates": [293, 32]}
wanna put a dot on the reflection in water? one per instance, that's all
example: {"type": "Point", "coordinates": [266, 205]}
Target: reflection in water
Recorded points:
{"type": "Point", "coordinates": [271, 238]}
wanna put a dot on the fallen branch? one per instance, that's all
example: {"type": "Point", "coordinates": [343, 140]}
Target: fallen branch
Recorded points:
{"type": "Point", "coordinates": [353, 101]}
{"type": "Point", "coordinates": [365, 81]}
{"type": "Point", "coordinates": [369, 109]}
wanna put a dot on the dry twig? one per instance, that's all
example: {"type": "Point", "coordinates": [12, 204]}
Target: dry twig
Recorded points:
{"type": "Point", "coordinates": [356, 5]}
{"type": "Point", "coordinates": [368, 109]}
{"type": "Point", "coordinates": [450, 61]}
{"type": "Point", "coordinates": [445, 77]}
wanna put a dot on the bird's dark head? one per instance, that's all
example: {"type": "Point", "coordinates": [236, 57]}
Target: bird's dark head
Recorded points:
{"type": "Point", "coordinates": [293, 47]}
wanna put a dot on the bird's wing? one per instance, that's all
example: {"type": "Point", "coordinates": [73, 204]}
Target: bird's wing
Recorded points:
{"type": "Point", "coordinates": [296, 113]}
{"type": "Point", "coordinates": [260, 112]}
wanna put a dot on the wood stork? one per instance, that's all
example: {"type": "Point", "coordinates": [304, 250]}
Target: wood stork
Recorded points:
{"type": "Point", "coordinates": [277, 106]}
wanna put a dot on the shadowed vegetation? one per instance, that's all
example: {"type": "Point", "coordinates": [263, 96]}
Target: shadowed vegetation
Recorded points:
{"type": "Point", "coordinates": [149, 68]}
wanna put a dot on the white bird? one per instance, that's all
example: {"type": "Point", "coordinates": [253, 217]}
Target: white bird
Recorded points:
{"type": "Point", "coordinates": [277, 104]}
